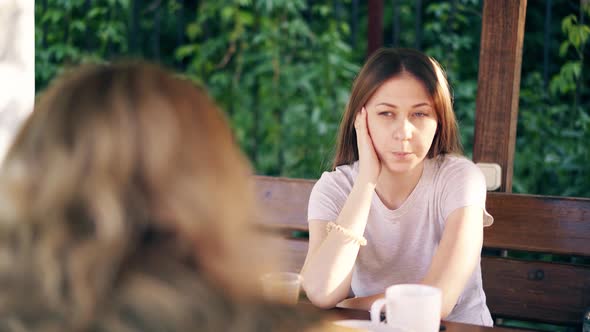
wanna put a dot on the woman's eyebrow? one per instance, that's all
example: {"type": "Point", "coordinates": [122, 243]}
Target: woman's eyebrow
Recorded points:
{"type": "Point", "coordinates": [395, 106]}
{"type": "Point", "coordinates": [421, 104]}
{"type": "Point", "coordinates": [386, 104]}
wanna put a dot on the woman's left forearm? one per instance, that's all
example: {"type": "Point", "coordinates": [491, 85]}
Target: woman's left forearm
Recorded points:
{"type": "Point", "coordinates": [457, 256]}
{"type": "Point", "coordinates": [360, 303]}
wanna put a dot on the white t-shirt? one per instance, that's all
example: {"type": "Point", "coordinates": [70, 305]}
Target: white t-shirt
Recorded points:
{"type": "Point", "coordinates": [401, 243]}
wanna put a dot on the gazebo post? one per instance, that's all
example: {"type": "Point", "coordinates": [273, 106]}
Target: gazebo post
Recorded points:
{"type": "Point", "coordinates": [498, 85]}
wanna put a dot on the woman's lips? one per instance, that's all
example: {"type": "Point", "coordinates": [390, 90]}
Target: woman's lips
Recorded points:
{"type": "Point", "coordinates": [402, 155]}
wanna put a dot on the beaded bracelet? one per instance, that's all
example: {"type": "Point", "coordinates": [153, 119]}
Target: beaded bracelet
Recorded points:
{"type": "Point", "coordinates": [360, 240]}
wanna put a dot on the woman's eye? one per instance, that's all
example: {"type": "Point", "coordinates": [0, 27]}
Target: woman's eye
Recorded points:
{"type": "Point", "coordinates": [420, 114]}
{"type": "Point", "coordinates": [385, 113]}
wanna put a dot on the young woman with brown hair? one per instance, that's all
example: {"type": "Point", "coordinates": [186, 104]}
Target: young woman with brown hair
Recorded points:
{"type": "Point", "coordinates": [401, 204]}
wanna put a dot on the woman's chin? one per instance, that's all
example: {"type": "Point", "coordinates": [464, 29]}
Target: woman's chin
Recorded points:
{"type": "Point", "coordinates": [400, 167]}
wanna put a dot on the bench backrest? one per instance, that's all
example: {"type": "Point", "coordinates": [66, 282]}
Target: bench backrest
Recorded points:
{"type": "Point", "coordinates": [542, 289]}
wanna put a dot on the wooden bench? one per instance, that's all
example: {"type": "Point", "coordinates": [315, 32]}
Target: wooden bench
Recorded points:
{"type": "Point", "coordinates": [538, 227]}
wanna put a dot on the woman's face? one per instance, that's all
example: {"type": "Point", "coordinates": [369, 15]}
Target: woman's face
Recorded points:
{"type": "Point", "coordinates": [402, 122]}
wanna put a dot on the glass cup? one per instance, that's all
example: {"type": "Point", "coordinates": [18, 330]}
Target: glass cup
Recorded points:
{"type": "Point", "coordinates": [282, 287]}
{"type": "Point", "coordinates": [412, 307]}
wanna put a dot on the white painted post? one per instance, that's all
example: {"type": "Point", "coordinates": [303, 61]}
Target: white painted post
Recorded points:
{"type": "Point", "coordinates": [17, 66]}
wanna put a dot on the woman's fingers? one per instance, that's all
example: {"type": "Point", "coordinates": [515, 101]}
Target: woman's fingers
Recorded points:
{"type": "Point", "coordinates": [358, 119]}
{"type": "Point", "coordinates": [369, 162]}
{"type": "Point", "coordinates": [364, 131]}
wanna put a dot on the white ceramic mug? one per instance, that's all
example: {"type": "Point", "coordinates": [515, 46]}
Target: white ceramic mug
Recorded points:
{"type": "Point", "coordinates": [412, 307]}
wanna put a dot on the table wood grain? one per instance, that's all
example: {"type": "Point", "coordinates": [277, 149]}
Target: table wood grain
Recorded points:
{"type": "Point", "coordinates": [341, 313]}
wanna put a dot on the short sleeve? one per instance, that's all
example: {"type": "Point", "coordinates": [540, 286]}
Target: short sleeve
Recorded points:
{"type": "Point", "coordinates": [328, 196]}
{"type": "Point", "coordinates": [463, 185]}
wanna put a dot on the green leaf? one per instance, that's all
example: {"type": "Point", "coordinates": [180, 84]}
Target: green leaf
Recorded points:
{"type": "Point", "coordinates": [185, 51]}
{"type": "Point", "coordinates": [227, 14]}
{"type": "Point", "coordinates": [78, 26]}
{"type": "Point", "coordinates": [563, 48]}
{"type": "Point", "coordinates": [193, 30]}
{"type": "Point", "coordinates": [246, 17]}
{"type": "Point", "coordinates": [568, 22]}
{"type": "Point", "coordinates": [96, 11]}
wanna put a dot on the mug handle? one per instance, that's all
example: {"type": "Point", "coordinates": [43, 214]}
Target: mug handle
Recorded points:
{"type": "Point", "coordinates": [376, 310]}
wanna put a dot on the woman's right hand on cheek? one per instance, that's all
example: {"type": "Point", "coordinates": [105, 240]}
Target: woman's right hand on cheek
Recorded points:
{"type": "Point", "coordinates": [369, 163]}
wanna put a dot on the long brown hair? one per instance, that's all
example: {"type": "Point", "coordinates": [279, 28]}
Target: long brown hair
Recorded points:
{"type": "Point", "coordinates": [124, 196]}
{"type": "Point", "coordinates": [383, 65]}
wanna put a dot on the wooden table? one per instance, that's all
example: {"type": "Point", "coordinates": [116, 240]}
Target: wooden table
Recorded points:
{"type": "Point", "coordinates": [448, 326]}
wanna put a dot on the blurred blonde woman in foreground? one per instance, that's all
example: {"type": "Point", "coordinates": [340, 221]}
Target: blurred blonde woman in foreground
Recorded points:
{"type": "Point", "coordinates": [126, 206]}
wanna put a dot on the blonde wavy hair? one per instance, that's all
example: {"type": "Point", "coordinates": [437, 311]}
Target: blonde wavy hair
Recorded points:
{"type": "Point", "coordinates": [125, 205]}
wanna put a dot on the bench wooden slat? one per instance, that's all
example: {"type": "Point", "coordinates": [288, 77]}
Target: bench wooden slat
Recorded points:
{"type": "Point", "coordinates": [513, 290]}
{"type": "Point", "coordinates": [283, 200]}
{"type": "Point", "coordinates": [539, 223]}
{"type": "Point", "coordinates": [522, 222]}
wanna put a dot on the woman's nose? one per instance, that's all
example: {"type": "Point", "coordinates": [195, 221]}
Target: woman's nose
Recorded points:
{"type": "Point", "coordinates": [403, 130]}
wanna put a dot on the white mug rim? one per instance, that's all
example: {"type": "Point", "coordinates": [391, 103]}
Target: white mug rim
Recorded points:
{"type": "Point", "coordinates": [425, 290]}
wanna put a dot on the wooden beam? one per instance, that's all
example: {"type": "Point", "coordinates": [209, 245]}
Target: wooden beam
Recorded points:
{"type": "Point", "coordinates": [500, 59]}
{"type": "Point", "coordinates": [375, 28]}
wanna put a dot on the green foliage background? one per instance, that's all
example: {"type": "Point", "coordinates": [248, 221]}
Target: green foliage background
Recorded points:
{"type": "Point", "coordinates": [282, 70]}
